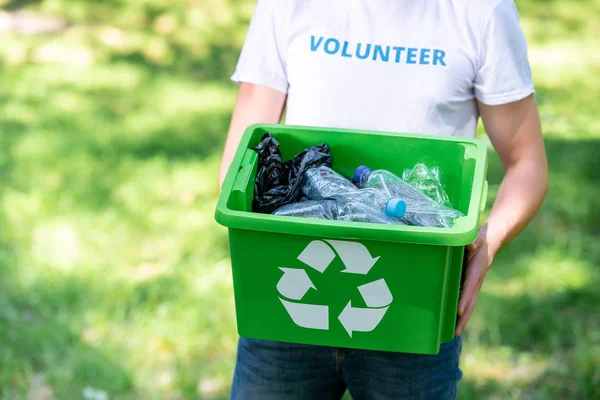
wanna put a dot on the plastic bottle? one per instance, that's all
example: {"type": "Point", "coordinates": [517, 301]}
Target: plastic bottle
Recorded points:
{"type": "Point", "coordinates": [356, 212]}
{"type": "Point", "coordinates": [334, 210]}
{"type": "Point", "coordinates": [324, 183]}
{"type": "Point", "coordinates": [420, 209]}
{"type": "Point", "coordinates": [428, 182]}
{"type": "Point", "coordinates": [319, 209]}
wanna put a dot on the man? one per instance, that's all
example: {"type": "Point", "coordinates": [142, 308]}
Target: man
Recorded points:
{"type": "Point", "coordinates": [430, 67]}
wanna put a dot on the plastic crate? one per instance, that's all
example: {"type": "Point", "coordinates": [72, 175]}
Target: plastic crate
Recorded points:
{"type": "Point", "coordinates": [347, 284]}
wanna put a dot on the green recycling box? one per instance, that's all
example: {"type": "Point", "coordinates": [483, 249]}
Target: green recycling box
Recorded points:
{"type": "Point", "coordinates": [348, 284]}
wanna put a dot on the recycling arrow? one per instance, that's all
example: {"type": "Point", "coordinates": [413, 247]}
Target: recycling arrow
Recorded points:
{"type": "Point", "coordinates": [361, 319]}
{"type": "Point", "coordinates": [317, 255]}
{"type": "Point", "coordinates": [355, 256]}
{"type": "Point", "coordinates": [376, 294]}
{"type": "Point", "coordinates": [294, 283]}
{"type": "Point", "coordinates": [310, 316]}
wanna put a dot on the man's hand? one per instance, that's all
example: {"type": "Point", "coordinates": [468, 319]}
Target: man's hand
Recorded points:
{"type": "Point", "coordinates": [514, 130]}
{"type": "Point", "coordinates": [479, 259]}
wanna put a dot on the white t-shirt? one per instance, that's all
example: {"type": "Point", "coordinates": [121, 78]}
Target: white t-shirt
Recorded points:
{"type": "Point", "coordinates": [388, 65]}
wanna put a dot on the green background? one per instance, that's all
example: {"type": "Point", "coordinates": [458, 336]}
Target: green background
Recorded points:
{"type": "Point", "coordinates": [114, 278]}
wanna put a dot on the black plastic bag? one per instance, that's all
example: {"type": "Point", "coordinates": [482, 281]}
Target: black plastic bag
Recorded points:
{"type": "Point", "coordinates": [278, 183]}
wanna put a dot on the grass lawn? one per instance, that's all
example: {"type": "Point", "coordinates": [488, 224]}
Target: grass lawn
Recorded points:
{"type": "Point", "coordinates": [115, 281]}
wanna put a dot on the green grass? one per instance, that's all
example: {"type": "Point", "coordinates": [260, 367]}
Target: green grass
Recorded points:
{"type": "Point", "coordinates": [114, 276]}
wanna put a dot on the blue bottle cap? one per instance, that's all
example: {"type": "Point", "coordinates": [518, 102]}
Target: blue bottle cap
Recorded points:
{"type": "Point", "coordinates": [360, 171]}
{"type": "Point", "coordinates": [395, 208]}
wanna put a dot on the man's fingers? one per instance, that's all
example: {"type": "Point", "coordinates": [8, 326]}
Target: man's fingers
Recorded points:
{"type": "Point", "coordinates": [478, 264]}
{"type": "Point", "coordinates": [472, 283]}
{"type": "Point", "coordinates": [473, 247]}
{"type": "Point", "coordinates": [462, 321]}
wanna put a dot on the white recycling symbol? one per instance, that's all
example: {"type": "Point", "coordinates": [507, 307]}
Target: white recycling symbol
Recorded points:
{"type": "Point", "coordinates": [295, 283]}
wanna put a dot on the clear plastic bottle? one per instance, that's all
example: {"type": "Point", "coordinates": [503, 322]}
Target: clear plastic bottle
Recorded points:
{"type": "Point", "coordinates": [334, 210]}
{"type": "Point", "coordinates": [428, 182]}
{"type": "Point", "coordinates": [420, 209]}
{"type": "Point", "coordinates": [324, 183]}
{"type": "Point", "coordinates": [356, 212]}
{"type": "Point", "coordinates": [319, 209]}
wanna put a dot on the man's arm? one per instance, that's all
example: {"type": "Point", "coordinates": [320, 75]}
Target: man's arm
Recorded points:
{"type": "Point", "coordinates": [255, 104]}
{"type": "Point", "coordinates": [515, 132]}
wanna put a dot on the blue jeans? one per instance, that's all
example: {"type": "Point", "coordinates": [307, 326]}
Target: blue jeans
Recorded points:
{"type": "Point", "coordinates": [269, 370]}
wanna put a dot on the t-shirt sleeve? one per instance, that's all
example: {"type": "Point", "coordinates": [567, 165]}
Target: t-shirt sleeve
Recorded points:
{"type": "Point", "coordinates": [261, 60]}
{"type": "Point", "coordinates": [504, 74]}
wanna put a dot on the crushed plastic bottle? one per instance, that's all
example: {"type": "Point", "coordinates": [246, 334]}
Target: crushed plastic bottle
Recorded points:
{"type": "Point", "coordinates": [324, 183]}
{"type": "Point", "coordinates": [420, 209]}
{"type": "Point", "coordinates": [334, 210]}
{"type": "Point", "coordinates": [319, 209]}
{"type": "Point", "coordinates": [356, 212]}
{"type": "Point", "coordinates": [427, 181]}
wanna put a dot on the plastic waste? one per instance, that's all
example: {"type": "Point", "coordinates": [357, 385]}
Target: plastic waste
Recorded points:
{"type": "Point", "coordinates": [356, 212]}
{"type": "Point", "coordinates": [420, 209]}
{"type": "Point", "coordinates": [319, 209]}
{"type": "Point", "coordinates": [334, 210]}
{"type": "Point", "coordinates": [427, 181]}
{"type": "Point", "coordinates": [278, 183]}
{"type": "Point", "coordinates": [324, 183]}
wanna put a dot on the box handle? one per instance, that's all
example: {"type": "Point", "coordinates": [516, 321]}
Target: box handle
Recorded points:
{"type": "Point", "coordinates": [484, 194]}
{"type": "Point", "coordinates": [245, 170]}
{"type": "Point", "coordinates": [242, 179]}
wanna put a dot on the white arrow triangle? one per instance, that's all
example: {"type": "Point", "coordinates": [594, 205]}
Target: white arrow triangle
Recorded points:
{"type": "Point", "coordinates": [355, 256]}
{"type": "Point", "coordinates": [361, 319]}
{"type": "Point", "coordinates": [309, 316]}
{"type": "Point", "coordinates": [317, 255]}
{"type": "Point", "coordinates": [294, 283]}
{"type": "Point", "coordinates": [376, 294]}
